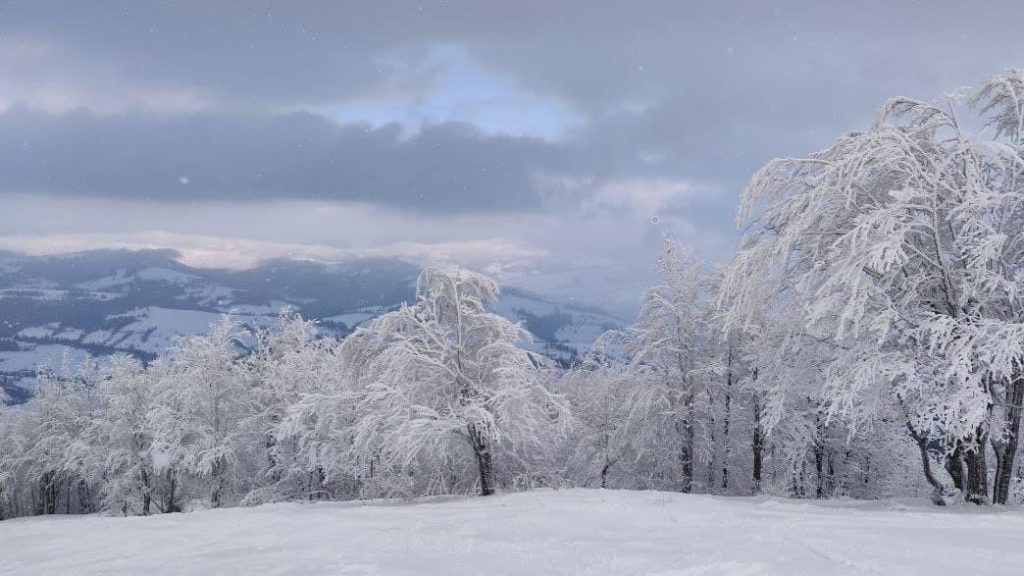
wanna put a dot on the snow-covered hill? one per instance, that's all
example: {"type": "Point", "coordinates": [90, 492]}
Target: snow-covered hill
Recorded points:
{"type": "Point", "coordinates": [72, 306]}
{"type": "Point", "coordinates": [545, 532]}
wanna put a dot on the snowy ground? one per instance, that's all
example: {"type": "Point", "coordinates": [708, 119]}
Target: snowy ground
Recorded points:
{"type": "Point", "coordinates": [565, 532]}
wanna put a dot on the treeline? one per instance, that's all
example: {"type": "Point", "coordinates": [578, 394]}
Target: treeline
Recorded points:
{"type": "Point", "coordinates": [866, 341]}
{"type": "Point", "coordinates": [438, 397]}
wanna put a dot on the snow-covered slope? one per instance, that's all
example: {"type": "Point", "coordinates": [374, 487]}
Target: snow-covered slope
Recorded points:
{"type": "Point", "coordinates": [103, 302]}
{"type": "Point", "coordinates": [545, 532]}
{"type": "Point", "coordinates": [560, 330]}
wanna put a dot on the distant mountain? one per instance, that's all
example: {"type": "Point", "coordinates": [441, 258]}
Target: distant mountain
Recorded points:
{"type": "Point", "coordinates": [65, 308]}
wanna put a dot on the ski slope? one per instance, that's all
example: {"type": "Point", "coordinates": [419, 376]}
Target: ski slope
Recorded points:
{"type": "Point", "coordinates": [545, 532]}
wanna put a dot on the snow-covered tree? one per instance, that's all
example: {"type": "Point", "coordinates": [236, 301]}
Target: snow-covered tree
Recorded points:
{"type": "Point", "coordinates": [600, 388]}
{"type": "Point", "coordinates": [667, 349]}
{"type": "Point", "coordinates": [295, 379]}
{"type": "Point", "coordinates": [56, 453]}
{"type": "Point", "coordinates": [119, 437]}
{"type": "Point", "coordinates": [200, 403]}
{"type": "Point", "coordinates": [447, 383]}
{"type": "Point", "coordinates": [8, 453]}
{"type": "Point", "coordinates": [905, 244]}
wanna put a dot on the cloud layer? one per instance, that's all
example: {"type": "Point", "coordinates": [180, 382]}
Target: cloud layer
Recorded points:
{"type": "Point", "coordinates": [539, 124]}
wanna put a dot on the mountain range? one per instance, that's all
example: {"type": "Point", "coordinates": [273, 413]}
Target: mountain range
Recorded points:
{"type": "Point", "coordinates": [66, 308]}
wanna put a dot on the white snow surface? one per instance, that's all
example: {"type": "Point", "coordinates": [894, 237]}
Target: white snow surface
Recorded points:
{"type": "Point", "coordinates": [33, 356]}
{"type": "Point", "coordinates": [543, 532]}
{"type": "Point", "coordinates": [356, 317]}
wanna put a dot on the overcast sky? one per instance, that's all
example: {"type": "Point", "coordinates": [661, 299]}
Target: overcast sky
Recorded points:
{"type": "Point", "coordinates": [550, 143]}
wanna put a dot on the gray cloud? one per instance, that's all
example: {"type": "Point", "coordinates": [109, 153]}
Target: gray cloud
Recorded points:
{"type": "Point", "coordinates": [254, 53]}
{"type": "Point", "coordinates": [674, 103]}
{"type": "Point", "coordinates": [710, 90]}
{"type": "Point", "coordinates": [258, 156]}
{"type": "Point", "coordinates": [594, 54]}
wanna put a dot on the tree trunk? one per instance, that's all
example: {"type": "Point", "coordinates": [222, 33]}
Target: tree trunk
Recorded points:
{"type": "Point", "coordinates": [938, 490]}
{"type": "Point", "coordinates": [686, 458]}
{"type": "Point", "coordinates": [485, 466]}
{"type": "Point", "coordinates": [757, 445]}
{"type": "Point", "coordinates": [819, 470]}
{"type": "Point", "coordinates": [170, 505]}
{"type": "Point", "coordinates": [604, 473]}
{"type": "Point", "coordinates": [955, 467]}
{"type": "Point", "coordinates": [802, 481]}
{"type": "Point", "coordinates": [712, 464]}
{"type": "Point", "coordinates": [85, 503]}
{"type": "Point", "coordinates": [321, 477]}
{"type": "Point", "coordinates": [977, 469]}
{"type": "Point", "coordinates": [977, 476]}
{"type": "Point", "coordinates": [146, 493]}
{"type": "Point", "coordinates": [830, 476]}
{"type": "Point", "coordinates": [1006, 453]}
{"type": "Point", "coordinates": [819, 457]}
{"type": "Point", "coordinates": [217, 474]}
{"type": "Point", "coordinates": [725, 426]}
{"type": "Point", "coordinates": [49, 492]}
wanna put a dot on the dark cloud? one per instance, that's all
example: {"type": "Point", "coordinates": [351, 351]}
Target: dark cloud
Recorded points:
{"type": "Point", "coordinates": [451, 167]}
{"type": "Point", "coordinates": [250, 54]}
{"type": "Point", "coordinates": [701, 92]}
{"type": "Point", "coordinates": [594, 54]}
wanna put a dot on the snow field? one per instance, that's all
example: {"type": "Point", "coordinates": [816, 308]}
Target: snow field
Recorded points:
{"type": "Point", "coordinates": [545, 532]}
